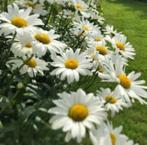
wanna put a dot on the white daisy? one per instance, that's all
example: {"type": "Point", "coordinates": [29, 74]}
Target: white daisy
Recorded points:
{"type": "Point", "coordinates": [95, 15]}
{"type": "Point", "coordinates": [107, 135]}
{"type": "Point", "coordinates": [71, 65]}
{"type": "Point", "coordinates": [76, 112]}
{"type": "Point", "coordinates": [32, 66]}
{"type": "Point", "coordinates": [23, 45]}
{"type": "Point", "coordinates": [110, 30]}
{"type": "Point", "coordinates": [16, 19]}
{"type": "Point", "coordinates": [81, 7]}
{"type": "Point", "coordinates": [95, 36]}
{"type": "Point", "coordinates": [83, 27]}
{"type": "Point", "coordinates": [119, 41]}
{"type": "Point", "coordinates": [112, 100]}
{"type": "Point", "coordinates": [132, 88]}
{"type": "Point", "coordinates": [37, 8]}
{"type": "Point", "coordinates": [112, 66]}
{"type": "Point", "coordinates": [98, 50]}
{"type": "Point", "coordinates": [47, 40]}
{"type": "Point", "coordinates": [128, 85]}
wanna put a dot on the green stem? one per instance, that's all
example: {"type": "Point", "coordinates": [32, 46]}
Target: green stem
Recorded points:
{"type": "Point", "coordinates": [48, 16]}
{"type": "Point", "coordinates": [79, 40]}
{"type": "Point", "coordinates": [5, 5]}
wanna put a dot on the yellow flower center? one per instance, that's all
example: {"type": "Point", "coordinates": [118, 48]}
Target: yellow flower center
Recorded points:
{"type": "Point", "coordinates": [111, 99]}
{"type": "Point", "coordinates": [19, 22]}
{"type": "Point", "coordinates": [31, 63]}
{"type": "Point", "coordinates": [102, 49]}
{"type": "Point", "coordinates": [98, 39]}
{"type": "Point", "coordinates": [85, 28]}
{"type": "Point", "coordinates": [30, 4]}
{"type": "Point", "coordinates": [78, 6]}
{"type": "Point", "coordinates": [29, 45]}
{"type": "Point", "coordinates": [100, 69]}
{"type": "Point", "coordinates": [78, 112]}
{"type": "Point", "coordinates": [71, 63]}
{"type": "Point", "coordinates": [124, 81]}
{"type": "Point", "coordinates": [43, 38]}
{"type": "Point", "coordinates": [120, 45]}
{"type": "Point", "coordinates": [113, 138]}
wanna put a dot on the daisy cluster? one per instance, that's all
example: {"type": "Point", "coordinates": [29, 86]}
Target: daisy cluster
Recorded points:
{"type": "Point", "coordinates": [64, 43]}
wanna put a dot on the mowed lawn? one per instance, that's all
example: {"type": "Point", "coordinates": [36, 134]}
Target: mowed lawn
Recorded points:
{"type": "Point", "coordinates": [130, 17]}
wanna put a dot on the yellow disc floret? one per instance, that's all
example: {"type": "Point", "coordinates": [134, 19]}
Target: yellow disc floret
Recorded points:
{"type": "Point", "coordinates": [43, 38]}
{"type": "Point", "coordinates": [85, 28]}
{"type": "Point", "coordinates": [111, 99]}
{"type": "Point", "coordinates": [113, 138]}
{"type": "Point", "coordinates": [78, 112]}
{"type": "Point", "coordinates": [102, 49]}
{"type": "Point", "coordinates": [31, 63]}
{"type": "Point", "coordinates": [78, 6]}
{"type": "Point", "coordinates": [29, 45]}
{"type": "Point", "coordinates": [19, 22]}
{"type": "Point", "coordinates": [30, 4]}
{"type": "Point", "coordinates": [98, 39]}
{"type": "Point", "coordinates": [71, 63]}
{"type": "Point", "coordinates": [124, 81]}
{"type": "Point", "coordinates": [120, 45]}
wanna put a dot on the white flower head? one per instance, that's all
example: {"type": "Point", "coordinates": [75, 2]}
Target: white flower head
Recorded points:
{"type": "Point", "coordinates": [81, 7]}
{"type": "Point", "coordinates": [112, 100]}
{"type": "Point", "coordinates": [98, 50]}
{"type": "Point", "coordinates": [71, 65]}
{"type": "Point", "coordinates": [128, 85]}
{"type": "Point", "coordinates": [95, 36]}
{"type": "Point", "coordinates": [37, 8]}
{"type": "Point", "coordinates": [23, 45]}
{"type": "Point", "coordinates": [83, 27]}
{"type": "Point", "coordinates": [76, 112]}
{"type": "Point", "coordinates": [107, 135]}
{"type": "Point", "coordinates": [110, 30]}
{"type": "Point", "coordinates": [17, 19]}
{"type": "Point", "coordinates": [119, 42]}
{"type": "Point", "coordinates": [32, 66]}
{"type": "Point", "coordinates": [47, 40]}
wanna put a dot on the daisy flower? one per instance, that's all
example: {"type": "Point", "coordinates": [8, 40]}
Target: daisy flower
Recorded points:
{"type": "Point", "coordinates": [107, 135]}
{"type": "Point", "coordinates": [95, 36]}
{"type": "Point", "coordinates": [112, 66]}
{"type": "Point", "coordinates": [81, 7]}
{"type": "Point", "coordinates": [32, 66]}
{"type": "Point", "coordinates": [128, 85]}
{"type": "Point", "coordinates": [76, 112]}
{"type": "Point", "coordinates": [95, 15]}
{"type": "Point", "coordinates": [109, 30]}
{"type": "Point", "coordinates": [98, 50]}
{"type": "Point", "coordinates": [119, 42]}
{"type": "Point", "coordinates": [47, 40]}
{"type": "Point", "coordinates": [83, 27]}
{"type": "Point", "coordinates": [112, 100]}
{"type": "Point", "coordinates": [17, 19]}
{"type": "Point", "coordinates": [37, 8]}
{"type": "Point", "coordinates": [23, 44]}
{"type": "Point", "coordinates": [71, 65]}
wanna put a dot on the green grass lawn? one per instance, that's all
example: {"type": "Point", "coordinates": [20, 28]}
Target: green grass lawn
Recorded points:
{"type": "Point", "coordinates": [130, 17]}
